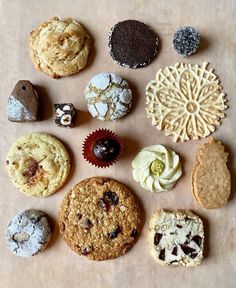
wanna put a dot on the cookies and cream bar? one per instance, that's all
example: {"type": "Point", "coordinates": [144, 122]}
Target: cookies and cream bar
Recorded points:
{"type": "Point", "coordinates": [176, 238]}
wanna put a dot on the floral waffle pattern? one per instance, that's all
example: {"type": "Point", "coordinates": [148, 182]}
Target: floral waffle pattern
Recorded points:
{"type": "Point", "coordinates": [186, 101]}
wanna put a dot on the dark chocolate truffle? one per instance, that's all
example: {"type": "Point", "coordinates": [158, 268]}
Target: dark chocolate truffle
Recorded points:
{"type": "Point", "coordinates": [106, 149]}
{"type": "Point", "coordinates": [102, 148]}
{"type": "Point", "coordinates": [186, 41]}
{"type": "Point", "coordinates": [132, 44]}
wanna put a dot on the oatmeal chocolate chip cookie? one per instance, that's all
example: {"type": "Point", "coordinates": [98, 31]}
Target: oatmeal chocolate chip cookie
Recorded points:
{"type": "Point", "coordinates": [59, 47]}
{"type": "Point", "coordinates": [176, 238]}
{"type": "Point", "coordinates": [38, 164]}
{"type": "Point", "coordinates": [28, 233]}
{"type": "Point", "coordinates": [211, 183]}
{"type": "Point", "coordinates": [100, 218]}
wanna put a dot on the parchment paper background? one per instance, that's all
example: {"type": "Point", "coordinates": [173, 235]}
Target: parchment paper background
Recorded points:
{"type": "Point", "coordinates": [58, 266]}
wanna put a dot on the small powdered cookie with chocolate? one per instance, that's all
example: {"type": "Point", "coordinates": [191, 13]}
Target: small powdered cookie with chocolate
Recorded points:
{"type": "Point", "coordinates": [28, 233]}
{"type": "Point", "coordinates": [211, 183]}
{"type": "Point", "coordinates": [38, 164]}
{"type": "Point", "coordinates": [100, 218]}
{"type": "Point", "coordinates": [176, 238]}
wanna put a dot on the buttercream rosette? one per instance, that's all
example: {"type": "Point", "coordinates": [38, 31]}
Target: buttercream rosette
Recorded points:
{"type": "Point", "coordinates": [157, 168]}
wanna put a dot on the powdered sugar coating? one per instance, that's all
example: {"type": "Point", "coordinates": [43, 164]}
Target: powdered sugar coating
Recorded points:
{"type": "Point", "coordinates": [28, 233]}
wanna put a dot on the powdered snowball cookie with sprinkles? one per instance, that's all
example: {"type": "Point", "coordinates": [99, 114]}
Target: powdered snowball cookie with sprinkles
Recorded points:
{"type": "Point", "coordinates": [132, 44]}
{"type": "Point", "coordinates": [186, 41]}
{"type": "Point", "coordinates": [108, 96]}
{"type": "Point", "coordinates": [28, 233]}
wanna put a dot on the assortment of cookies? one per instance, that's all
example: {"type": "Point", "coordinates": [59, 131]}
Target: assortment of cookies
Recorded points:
{"type": "Point", "coordinates": [99, 217]}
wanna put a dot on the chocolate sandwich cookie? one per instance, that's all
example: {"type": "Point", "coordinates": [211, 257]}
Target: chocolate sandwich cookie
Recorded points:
{"type": "Point", "coordinates": [28, 233]}
{"type": "Point", "coordinates": [100, 218]}
{"type": "Point", "coordinates": [23, 103]}
{"type": "Point", "coordinates": [132, 44]}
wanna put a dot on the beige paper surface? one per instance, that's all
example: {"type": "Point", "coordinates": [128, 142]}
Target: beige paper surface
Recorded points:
{"type": "Point", "coordinates": [58, 266]}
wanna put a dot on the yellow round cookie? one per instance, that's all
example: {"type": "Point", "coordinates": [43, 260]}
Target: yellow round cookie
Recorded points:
{"type": "Point", "coordinates": [59, 47]}
{"type": "Point", "coordinates": [38, 164]}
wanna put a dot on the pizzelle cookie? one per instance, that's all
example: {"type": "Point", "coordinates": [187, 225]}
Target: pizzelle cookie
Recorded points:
{"type": "Point", "coordinates": [38, 164]}
{"type": "Point", "coordinates": [211, 182]}
{"type": "Point", "coordinates": [176, 238]}
{"type": "Point", "coordinates": [60, 47]}
{"type": "Point", "coordinates": [100, 218]}
{"type": "Point", "coordinates": [185, 101]}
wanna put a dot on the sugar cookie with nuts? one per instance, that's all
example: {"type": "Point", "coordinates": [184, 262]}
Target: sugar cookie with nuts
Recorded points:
{"type": "Point", "coordinates": [60, 47]}
{"type": "Point", "coordinates": [176, 238]}
{"type": "Point", "coordinates": [211, 183]}
{"type": "Point", "coordinates": [186, 101]}
{"type": "Point", "coordinates": [100, 218]}
{"type": "Point", "coordinates": [38, 164]}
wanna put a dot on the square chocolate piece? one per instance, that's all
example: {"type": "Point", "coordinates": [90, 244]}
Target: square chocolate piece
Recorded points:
{"type": "Point", "coordinates": [64, 114]}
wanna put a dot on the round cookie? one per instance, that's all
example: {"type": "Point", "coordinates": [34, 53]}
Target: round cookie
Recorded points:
{"type": "Point", "coordinates": [38, 164]}
{"type": "Point", "coordinates": [59, 47]}
{"type": "Point", "coordinates": [186, 41]}
{"type": "Point", "coordinates": [28, 233]}
{"type": "Point", "coordinates": [108, 96]}
{"type": "Point", "coordinates": [100, 218]}
{"type": "Point", "coordinates": [132, 44]}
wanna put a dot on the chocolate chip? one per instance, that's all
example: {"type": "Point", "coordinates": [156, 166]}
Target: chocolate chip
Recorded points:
{"type": "Point", "coordinates": [113, 234]}
{"type": "Point", "coordinates": [111, 197]}
{"type": "Point", "coordinates": [87, 224]}
{"type": "Point", "coordinates": [179, 226]}
{"type": "Point", "coordinates": [7, 162]}
{"type": "Point", "coordinates": [193, 255]}
{"type": "Point", "coordinates": [162, 255]}
{"type": "Point", "coordinates": [103, 204]}
{"type": "Point", "coordinates": [188, 235]}
{"type": "Point", "coordinates": [19, 148]}
{"type": "Point", "coordinates": [134, 233]}
{"type": "Point", "coordinates": [173, 261]}
{"type": "Point", "coordinates": [186, 249]}
{"type": "Point", "coordinates": [174, 251]}
{"type": "Point", "coordinates": [157, 238]}
{"type": "Point", "coordinates": [197, 239]}
{"type": "Point", "coordinates": [79, 215]}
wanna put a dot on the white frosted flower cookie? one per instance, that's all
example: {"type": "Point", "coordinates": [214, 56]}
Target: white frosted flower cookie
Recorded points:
{"type": "Point", "coordinates": [176, 238]}
{"type": "Point", "coordinates": [157, 168]}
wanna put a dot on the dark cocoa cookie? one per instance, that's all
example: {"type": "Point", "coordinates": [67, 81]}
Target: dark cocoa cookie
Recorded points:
{"type": "Point", "coordinates": [132, 44]}
{"type": "Point", "coordinates": [100, 218]}
{"type": "Point", "coordinates": [28, 233]}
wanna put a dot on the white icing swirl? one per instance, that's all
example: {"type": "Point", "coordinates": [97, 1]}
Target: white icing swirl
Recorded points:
{"type": "Point", "coordinates": [157, 168]}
